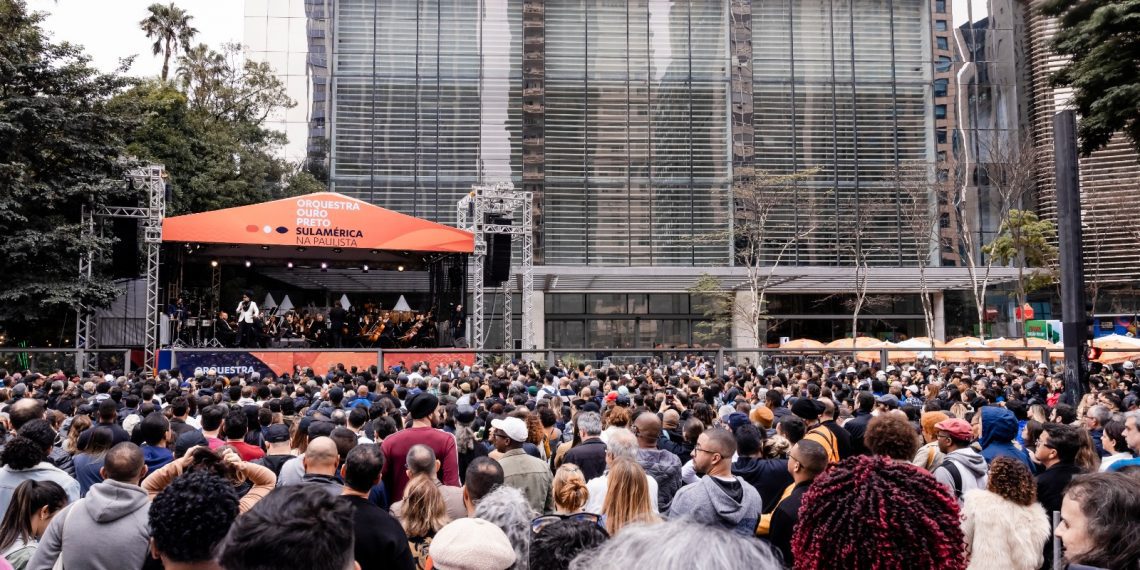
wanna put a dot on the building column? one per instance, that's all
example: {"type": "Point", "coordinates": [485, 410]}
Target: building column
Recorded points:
{"type": "Point", "coordinates": [938, 302]}
{"type": "Point", "coordinates": [742, 336]}
{"type": "Point", "coordinates": [538, 317]}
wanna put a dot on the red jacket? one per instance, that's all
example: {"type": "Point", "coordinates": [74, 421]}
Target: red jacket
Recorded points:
{"type": "Point", "coordinates": [396, 448]}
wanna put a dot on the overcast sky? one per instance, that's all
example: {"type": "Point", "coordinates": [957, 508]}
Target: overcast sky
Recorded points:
{"type": "Point", "coordinates": [109, 29]}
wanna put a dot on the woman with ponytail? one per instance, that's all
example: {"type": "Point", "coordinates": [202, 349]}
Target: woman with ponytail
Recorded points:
{"type": "Point", "coordinates": [33, 506]}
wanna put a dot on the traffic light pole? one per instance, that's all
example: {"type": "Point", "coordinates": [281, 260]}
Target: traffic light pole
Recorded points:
{"type": "Point", "coordinates": [1074, 321]}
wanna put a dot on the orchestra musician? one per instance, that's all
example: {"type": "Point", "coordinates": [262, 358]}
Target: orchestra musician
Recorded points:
{"type": "Point", "coordinates": [247, 313]}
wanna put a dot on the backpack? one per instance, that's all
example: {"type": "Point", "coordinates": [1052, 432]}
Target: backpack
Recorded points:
{"type": "Point", "coordinates": [955, 474]}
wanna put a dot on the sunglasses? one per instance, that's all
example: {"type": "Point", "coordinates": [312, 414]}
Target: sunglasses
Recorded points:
{"type": "Point", "coordinates": [544, 521]}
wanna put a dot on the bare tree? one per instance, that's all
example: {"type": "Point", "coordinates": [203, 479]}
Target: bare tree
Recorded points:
{"type": "Point", "coordinates": [1006, 168]}
{"type": "Point", "coordinates": [919, 188]}
{"type": "Point", "coordinates": [862, 240]}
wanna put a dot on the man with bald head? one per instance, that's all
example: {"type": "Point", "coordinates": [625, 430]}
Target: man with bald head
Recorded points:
{"type": "Point", "coordinates": [320, 461]}
{"type": "Point", "coordinates": [664, 466]}
{"type": "Point", "coordinates": [719, 498]}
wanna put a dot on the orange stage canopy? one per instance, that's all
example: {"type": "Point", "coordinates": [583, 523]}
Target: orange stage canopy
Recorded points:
{"type": "Point", "coordinates": [324, 219]}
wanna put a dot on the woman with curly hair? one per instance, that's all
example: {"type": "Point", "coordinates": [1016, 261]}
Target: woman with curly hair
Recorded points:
{"type": "Point", "coordinates": [1100, 521]}
{"type": "Point", "coordinates": [872, 513]}
{"type": "Point", "coordinates": [891, 435]}
{"type": "Point", "coordinates": [1004, 525]}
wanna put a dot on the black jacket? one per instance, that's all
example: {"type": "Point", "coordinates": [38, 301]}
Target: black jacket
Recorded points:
{"type": "Point", "coordinates": [857, 426]}
{"type": "Point", "coordinates": [589, 456]}
{"type": "Point", "coordinates": [842, 438]}
{"type": "Point", "coordinates": [1051, 485]}
{"type": "Point", "coordinates": [784, 521]}
{"type": "Point", "coordinates": [769, 476]}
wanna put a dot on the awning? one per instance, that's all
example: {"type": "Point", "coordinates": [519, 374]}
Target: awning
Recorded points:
{"type": "Point", "coordinates": [321, 220]}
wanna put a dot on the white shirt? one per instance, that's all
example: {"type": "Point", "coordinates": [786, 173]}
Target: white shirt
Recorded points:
{"type": "Point", "coordinates": [1106, 462]}
{"type": "Point", "coordinates": [597, 486]}
{"type": "Point", "coordinates": [248, 315]}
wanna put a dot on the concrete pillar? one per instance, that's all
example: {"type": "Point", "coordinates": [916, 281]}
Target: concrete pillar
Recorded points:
{"type": "Point", "coordinates": [938, 303]}
{"type": "Point", "coordinates": [742, 335]}
{"type": "Point", "coordinates": [538, 317]}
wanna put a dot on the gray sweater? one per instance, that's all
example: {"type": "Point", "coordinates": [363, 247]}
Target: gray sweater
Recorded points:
{"type": "Point", "coordinates": [107, 530]}
{"type": "Point", "coordinates": [706, 502]}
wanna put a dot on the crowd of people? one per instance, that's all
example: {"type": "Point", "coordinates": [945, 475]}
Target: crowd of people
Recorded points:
{"type": "Point", "coordinates": [663, 464]}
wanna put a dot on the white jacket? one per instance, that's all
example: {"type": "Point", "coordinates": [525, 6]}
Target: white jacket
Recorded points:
{"type": "Point", "coordinates": [1001, 534]}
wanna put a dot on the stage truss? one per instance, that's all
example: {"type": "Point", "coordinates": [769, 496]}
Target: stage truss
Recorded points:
{"type": "Point", "coordinates": [150, 213]}
{"type": "Point", "coordinates": [471, 214]}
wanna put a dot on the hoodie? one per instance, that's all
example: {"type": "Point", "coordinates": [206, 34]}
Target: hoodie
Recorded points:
{"type": "Point", "coordinates": [708, 502]}
{"type": "Point", "coordinates": [999, 428]}
{"type": "Point", "coordinates": [665, 468]}
{"type": "Point", "coordinates": [106, 530]}
{"type": "Point", "coordinates": [768, 476]}
{"type": "Point", "coordinates": [44, 471]}
{"type": "Point", "coordinates": [972, 469]}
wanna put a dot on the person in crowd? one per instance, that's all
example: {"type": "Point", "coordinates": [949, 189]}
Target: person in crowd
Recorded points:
{"type": "Point", "coordinates": [25, 458]}
{"type": "Point", "coordinates": [872, 512]}
{"type": "Point", "coordinates": [25, 410]}
{"type": "Point", "coordinates": [628, 498]}
{"type": "Point", "coordinates": [1114, 445]}
{"type": "Point", "coordinates": [962, 469]}
{"type": "Point", "coordinates": [277, 450]}
{"type": "Point", "coordinates": [422, 409]}
{"type": "Point", "coordinates": [998, 431]}
{"type": "Point", "coordinates": [423, 514]}
{"type": "Point", "coordinates": [155, 430]}
{"type": "Point", "coordinates": [235, 428]}
{"type": "Point", "coordinates": [769, 476]}
{"type": "Point", "coordinates": [1004, 525]}
{"type": "Point", "coordinates": [89, 461]}
{"type": "Point", "coordinates": [507, 508]}
{"type": "Point", "coordinates": [521, 470]}
{"type": "Point", "coordinates": [809, 411]}
{"type": "Point", "coordinates": [663, 466]}
{"type": "Point", "coordinates": [473, 544]}
{"type": "Point", "coordinates": [421, 461]}
{"type": "Point", "coordinates": [298, 527]}
{"type": "Point", "coordinates": [483, 476]}
{"type": "Point", "coordinates": [108, 414]}
{"type": "Point", "coordinates": [557, 544]}
{"type": "Point", "coordinates": [465, 437]}
{"type": "Point", "coordinates": [1096, 417]}
{"type": "Point", "coordinates": [1056, 450]}
{"type": "Point", "coordinates": [1100, 521]}
{"type": "Point", "coordinates": [251, 482]}
{"type": "Point", "coordinates": [677, 545]}
{"type": "Point", "coordinates": [828, 419]}
{"type": "Point", "coordinates": [891, 435]}
{"type": "Point", "coordinates": [1132, 439]}
{"type": "Point", "coordinates": [33, 506]}
{"type": "Point", "coordinates": [79, 424]}
{"type": "Point", "coordinates": [719, 498]}
{"type": "Point", "coordinates": [857, 426]}
{"type": "Point", "coordinates": [806, 460]}
{"type": "Point", "coordinates": [321, 461]}
{"type": "Point", "coordinates": [569, 490]}
{"type": "Point", "coordinates": [190, 518]}
{"type": "Point", "coordinates": [590, 454]}
{"type": "Point", "coordinates": [622, 445]}
{"type": "Point", "coordinates": [108, 529]}
{"type": "Point", "coordinates": [380, 542]}
{"type": "Point", "coordinates": [930, 456]}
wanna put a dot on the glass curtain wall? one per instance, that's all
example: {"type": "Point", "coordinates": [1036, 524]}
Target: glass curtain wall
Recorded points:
{"type": "Point", "coordinates": [428, 101]}
{"type": "Point", "coordinates": [842, 86]}
{"type": "Point", "coordinates": [637, 133]}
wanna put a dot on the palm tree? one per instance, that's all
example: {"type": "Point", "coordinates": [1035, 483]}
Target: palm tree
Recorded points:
{"type": "Point", "coordinates": [170, 27]}
{"type": "Point", "coordinates": [198, 72]}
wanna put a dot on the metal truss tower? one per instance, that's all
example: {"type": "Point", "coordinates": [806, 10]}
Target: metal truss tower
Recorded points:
{"type": "Point", "coordinates": [503, 200]}
{"type": "Point", "coordinates": [152, 180]}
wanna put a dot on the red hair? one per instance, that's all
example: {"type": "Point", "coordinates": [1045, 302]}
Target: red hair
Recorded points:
{"type": "Point", "coordinates": [871, 513]}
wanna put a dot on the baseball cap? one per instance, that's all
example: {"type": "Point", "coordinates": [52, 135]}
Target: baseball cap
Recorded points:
{"type": "Point", "coordinates": [277, 433]}
{"type": "Point", "coordinates": [513, 427]}
{"type": "Point", "coordinates": [850, 370]}
{"type": "Point", "coordinates": [958, 429]}
{"type": "Point", "coordinates": [888, 400]}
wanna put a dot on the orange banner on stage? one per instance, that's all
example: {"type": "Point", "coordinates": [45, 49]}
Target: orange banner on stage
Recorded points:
{"type": "Point", "coordinates": [433, 359]}
{"type": "Point", "coordinates": [324, 219]}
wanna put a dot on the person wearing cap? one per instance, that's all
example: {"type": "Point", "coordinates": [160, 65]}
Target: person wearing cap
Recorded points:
{"type": "Point", "coordinates": [809, 411]}
{"type": "Point", "coordinates": [520, 470]}
{"type": "Point", "coordinates": [277, 448]}
{"type": "Point", "coordinates": [422, 409]}
{"type": "Point", "coordinates": [962, 468]}
{"type": "Point", "coordinates": [471, 544]}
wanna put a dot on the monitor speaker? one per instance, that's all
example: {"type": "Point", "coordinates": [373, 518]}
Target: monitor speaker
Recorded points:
{"type": "Point", "coordinates": [497, 267]}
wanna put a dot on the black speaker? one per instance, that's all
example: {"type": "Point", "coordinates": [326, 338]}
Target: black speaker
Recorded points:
{"type": "Point", "coordinates": [125, 251]}
{"type": "Point", "coordinates": [497, 267]}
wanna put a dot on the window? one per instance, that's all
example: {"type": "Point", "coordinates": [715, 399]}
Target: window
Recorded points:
{"type": "Point", "coordinates": [944, 220]}
{"type": "Point", "coordinates": [944, 64]}
{"type": "Point", "coordinates": [941, 156]}
{"type": "Point", "coordinates": [940, 26]}
{"type": "Point", "coordinates": [941, 87]}
{"type": "Point", "coordinates": [605, 303]}
{"type": "Point", "coordinates": [941, 136]}
{"type": "Point", "coordinates": [943, 42]}
{"type": "Point", "coordinates": [940, 111]}
{"type": "Point", "coordinates": [940, 6]}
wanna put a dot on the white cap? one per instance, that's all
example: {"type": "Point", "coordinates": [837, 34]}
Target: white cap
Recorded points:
{"type": "Point", "coordinates": [851, 370]}
{"type": "Point", "coordinates": [513, 427]}
{"type": "Point", "coordinates": [881, 375]}
{"type": "Point", "coordinates": [1041, 365]}
{"type": "Point", "coordinates": [1128, 365]}
{"type": "Point", "coordinates": [999, 370]}
{"type": "Point", "coordinates": [891, 368]}
{"type": "Point", "coordinates": [959, 370]}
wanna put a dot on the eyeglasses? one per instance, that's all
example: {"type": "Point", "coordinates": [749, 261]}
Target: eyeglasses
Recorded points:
{"type": "Point", "coordinates": [709, 451]}
{"type": "Point", "coordinates": [542, 522]}
{"type": "Point", "coordinates": [499, 434]}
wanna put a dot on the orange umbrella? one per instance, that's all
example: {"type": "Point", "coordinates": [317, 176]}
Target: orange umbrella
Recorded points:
{"type": "Point", "coordinates": [1119, 342]}
{"type": "Point", "coordinates": [893, 355]}
{"type": "Point", "coordinates": [857, 342]}
{"type": "Point", "coordinates": [1021, 348]}
{"type": "Point", "coordinates": [964, 341]}
{"type": "Point", "coordinates": [963, 356]}
{"type": "Point", "coordinates": [801, 344]}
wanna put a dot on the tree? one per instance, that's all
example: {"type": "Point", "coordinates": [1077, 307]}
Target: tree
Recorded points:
{"type": "Point", "coordinates": [60, 151]}
{"type": "Point", "coordinates": [717, 307]}
{"type": "Point", "coordinates": [170, 28]}
{"type": "Point", "coordinates": [1099, 39]}
{"type": "Point", "coordinates": [919, 215]}
{"type": "Point", "coordinates": [1026, 241]}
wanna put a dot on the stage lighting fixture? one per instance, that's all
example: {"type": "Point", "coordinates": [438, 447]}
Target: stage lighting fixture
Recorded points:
{"type": "Point", "coordinates": [324, 266]}
{"type": "Point", "coordinates": [289, 265]}
{"type": "Point", "coordinates": [213, 263]}
{"type": "Point", "coordinates": [300, 249]}
{"type": "Point", "coordinates": [265, 248]}
{"type": "Point", "coordinates": [366, 269]}
{"type": "Point", "coordinates": [375, 252]}
{"type": "Point", "coordinates": [399, 268]}
{"type": "Point", "coordinates": [337, 250]}
{"type": "Point", "coordinates": [248, 264]}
